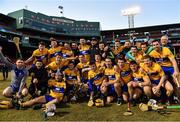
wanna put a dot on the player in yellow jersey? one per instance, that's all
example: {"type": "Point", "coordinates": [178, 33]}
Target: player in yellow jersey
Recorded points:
{"type": "Point", "coordinates": [165, 58]}
{"type": "Point", "coordinates": [39, 54]}
{"type": "Point", "coordinates": [117, 50]}
{"type": "Point", "coordinates": [140, 83]}
{"type": "Point", "coordinates": [95, 79]}
{"type": "Point", "coordinates": [84, 49]}
{"type": "Point", "coordinates": [54, 50]}
{"type": "Point", "coordinates": [66, 51]}
{"type": "Point", "coordinates": [99, 63]}
{"type": "Point", "coordinates": [59, 63]}
{"type": "Point", "coordinates": [57, 89]}
{"type": "Point", "coordinates": [125, 76]}
{"type": "Point", "coordinates": [157, 77]}
{"type": "Point", "coordinates": [73, 80]}
{"type": "Point", "coordinates": [111, 84]}
{"type": "Point", "coordinates": [83, 67]}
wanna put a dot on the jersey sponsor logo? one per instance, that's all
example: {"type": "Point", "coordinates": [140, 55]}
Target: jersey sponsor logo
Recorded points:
{"type": "Point", "coordinates": [58, 89]}
{"type": "Point", "coordinates": [125, 73]}
{"type": "Point", "coordinates": [84, 52]}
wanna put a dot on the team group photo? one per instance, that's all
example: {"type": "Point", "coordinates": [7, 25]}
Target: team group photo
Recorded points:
{"type": "Point", "coordinates": [60, 69]}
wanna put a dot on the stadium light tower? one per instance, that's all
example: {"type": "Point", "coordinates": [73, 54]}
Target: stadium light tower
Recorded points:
{"type": "Point", "coordinates": [61, 10]}
{"type": "Point", "coordinates": [131, 12]}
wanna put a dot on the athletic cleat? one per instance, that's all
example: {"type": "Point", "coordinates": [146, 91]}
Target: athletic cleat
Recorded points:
{"type": "Point", "coordinates": [73, 99]}
{"type": "Point", "coordinates": [168, 102]}
{"type": "Point", "coordinates": [119, 101]}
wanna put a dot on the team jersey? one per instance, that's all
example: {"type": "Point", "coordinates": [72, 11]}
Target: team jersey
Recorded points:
{"type": "Point", "coordinates": [96, 77]}
{"type": "Point", "coordinates": [67, 53]}
{"type": "Point", "coordinates": [85, 50]}
{"type": "Point", "coordinates": [54, 66]}
{"type": "Point", "coordinates": [154, 72]}
{"type": "Point", "coordinates": [163, 57]}
{"type": "Point", "coordinates": [57, 89]}
{"type": "Point", "coordinates": [111, 74]}
{"type": "Point", "coordinates": [125, 73]}
{"type": "Point", "coordinates": [136, 58]}
{"type": "Point", "coordinates": [139, 75]}
{"type": "Point", "coordinates": [71, 75]}
{"type": "Point", "coordinates": [118, 52]}
{"type": "Point", "coordinates": [80, 66]}
{"type": "Point", "coordinates": [53, 52]}
{"type": "Point", "coordinates": [41, 55]}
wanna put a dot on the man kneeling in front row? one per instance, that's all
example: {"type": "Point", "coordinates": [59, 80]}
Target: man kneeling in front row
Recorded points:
{"type": "Point", "coordinates": [57, 88]}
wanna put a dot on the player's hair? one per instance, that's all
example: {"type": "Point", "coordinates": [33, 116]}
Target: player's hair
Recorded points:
{"type": "Point", "coordinates": [71, 62]}
{"type": "Point", "coordinates": [133, 62]}
{"type": "Point", "coordinates": [122, 59]}
{"type": "Point", "coordinates": [134, 47]}
{"type": "Point", "coordinates": [144, 43]}
{"type": "Point", "coordinates": [41, 43]}
{"type": "Point", "coordinates": [52, 39]}
{"type": "Point", "coordinates": [146, 57]}
{"type": "Point", "coordinates": [92, 63]}
{"type": "Point", "coordinates": [155, 41]}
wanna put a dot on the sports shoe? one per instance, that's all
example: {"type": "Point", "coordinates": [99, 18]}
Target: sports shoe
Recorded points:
{"type": "Point", "coordinates": [73, 99]}
{"type": "Point", "coordinates": [90, 103]}
{"type": "Point", "coordinates": [168, 102]}
{"type": "Point", "coordinates": [119, 101]}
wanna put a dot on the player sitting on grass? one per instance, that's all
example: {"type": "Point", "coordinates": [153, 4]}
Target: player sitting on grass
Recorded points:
{"type": "Point", "coordinates": [139, 84]}
{"type": "Point", "coordinates": [19, 76]}
{"type": "Point", "coordinates": [57, 89]}
{"type": "Point", "coordinates": [95, 79]}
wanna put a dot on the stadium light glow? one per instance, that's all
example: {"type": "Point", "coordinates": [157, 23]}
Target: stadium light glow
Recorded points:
{"type": "Point", "coordinates": [131, 12]}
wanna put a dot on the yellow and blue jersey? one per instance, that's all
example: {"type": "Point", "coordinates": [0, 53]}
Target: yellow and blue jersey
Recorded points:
{"type": "Point", "coordinates": [139, 75]}
{"type": "Point", "coordinates": [111, 74]}
{"type": "Point", "coordinates": [53, 52]}
{"type": "Point", "coordinates": [71, 75]}
{"type": "Point", "coordinates": [125, 73]}
{"type": "Point", "coordinates": [154, 72]}
{"type": "Point", "coordinates": [163, 57]}
{"type": "Point", "coordinates": [57, 88]}
{"type": "Point", "coordinates": [54, 66]}
{"type": "Point", "coordinates": [41, 55]}
{"type": "Point", "coordinates": [96, 77]}
{"type": "Point", "coordinates": [85, 50]}
{"type": "Point", "coordinates": [80, 66]}
{"type": "Point", "coordinates": [66, 53]}
{"type": "Point", "coordinates": [118, 52]}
